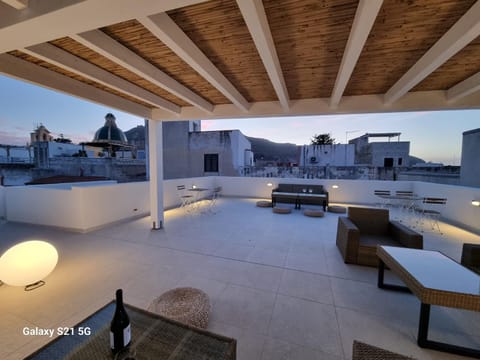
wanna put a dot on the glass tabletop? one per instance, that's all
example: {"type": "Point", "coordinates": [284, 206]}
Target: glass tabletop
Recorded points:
{"type": "Point", "coordinates": [434, 270]}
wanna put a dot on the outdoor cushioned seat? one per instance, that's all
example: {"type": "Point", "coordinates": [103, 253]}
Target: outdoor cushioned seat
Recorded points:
{"type": "Point", "coordinates": [359, 234]}
{"type": "Point", "coordinates": [186, 305]}
{"type": "Point", "coordinates": [264, 203]}
{"type": "Point", "coordinates": [281, 210]}
{"type": "Point", "coordinates": [337, 209]}
{"type": "Point", "coordinates": [313, 213]}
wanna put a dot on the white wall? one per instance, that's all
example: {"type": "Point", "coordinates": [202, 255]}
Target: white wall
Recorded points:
{"type": "Point", "coordinates": [333, 155]}
{"type": "Point", "coordinates": [83, 208]}
{"type": "Point", "coordinates": [35, 205]}
{"type": "Point", "coordinates": [457, 211]}
{"type": "Point", "coordinates": [3, 205]}
{"type": "Point", "coordinates": [101, 205]}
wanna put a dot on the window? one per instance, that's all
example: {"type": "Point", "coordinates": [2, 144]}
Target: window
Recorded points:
{"type": "Point", "coordinates": [210, 163]}
{"type": "Point", "coordinates": [400, 160]}
{"type": "Point", "coordinates": [388, 162]}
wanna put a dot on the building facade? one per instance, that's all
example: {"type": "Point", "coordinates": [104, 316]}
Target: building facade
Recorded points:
{"type": "Point", "coordinates": [327, 155]}
{"type": "Point", "coordinates": [388, 154]}
{"type": "Point", "coordinates": [470, 163]}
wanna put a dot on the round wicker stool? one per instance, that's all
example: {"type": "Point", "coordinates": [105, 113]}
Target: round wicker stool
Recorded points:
{"type": "Point", "coordinates": [264, 203]}
{"type": "Point", "coordinates": [337, 209]}
{"type": "Point", "coordinates": [186, 305]}
{"type": "Point", "coordinates": [281, 210]}
{"type": "Point", "coordinates": [313, 213]}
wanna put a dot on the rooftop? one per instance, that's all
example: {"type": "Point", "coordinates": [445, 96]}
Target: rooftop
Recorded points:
{"type": "Point", "coordinates": [277, 283]}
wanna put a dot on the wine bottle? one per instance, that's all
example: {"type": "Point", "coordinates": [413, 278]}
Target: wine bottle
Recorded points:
{"type": "Point", "coordinates": [120, 336]}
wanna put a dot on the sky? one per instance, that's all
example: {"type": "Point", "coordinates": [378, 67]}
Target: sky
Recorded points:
{"type": "Point", "coordinates": [434, 136]}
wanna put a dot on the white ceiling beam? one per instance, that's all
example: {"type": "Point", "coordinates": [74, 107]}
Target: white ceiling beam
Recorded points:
{"type": "Point", "coordinates": [65, 60]}
{"type": "Point", "coordinates": [254, 15]}
{"type": "Point", "coordinates": [456, 38]}
{"type": "Point", "coordinates": [361, 104]}
{"type": "Point", "coordinates": [365, 16]}
{"type": "Point", "coordinates": [464, 88]}
{"type": "Point", "coordinates": [48, 20]}
{"type": "Point", "coordinates": [116, 52]}
{"type": "Point", "coordinates": [17, 4]}
{"type": "Point", "coordinates": [27, 71]}
{"type": "Point", "coordinates": [165, 29]}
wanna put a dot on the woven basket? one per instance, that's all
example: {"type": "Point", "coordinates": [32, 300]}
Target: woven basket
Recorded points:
{"type": "Point", "coordinates": [186, 305]}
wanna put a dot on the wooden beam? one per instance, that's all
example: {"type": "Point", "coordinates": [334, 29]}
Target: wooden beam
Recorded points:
{"type": "Point", "coordinates": [65, 60]}
{"type": "Point", "coordinates": [464, 88]}
{"type": "Point", "coordinates": [35, 74]}
{"type": "Point", "coordinates": [365, 16]}
{"type": "Point", "coordinates": [456, 38]}
{"type": "Point", "coordinates": [254, 15]}
{"type": "Point", "coordinates": [17, 4]}
{"type": "Point", "coordinates": [361, 104]}
{"type": "Point", "coordinates": [116, 52]}
{"type": "Point", "coordinates": [165, 29]}
{"type": "Point", "coordinates": [49, 20]}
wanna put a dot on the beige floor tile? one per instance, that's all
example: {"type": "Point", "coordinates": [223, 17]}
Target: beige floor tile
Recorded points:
{"type": "Point", "coordinates": [306, 323]}
{"type": "Point", "coordinates": [306, 286]}
{"type": "Point", "coordinates": [245, 308]}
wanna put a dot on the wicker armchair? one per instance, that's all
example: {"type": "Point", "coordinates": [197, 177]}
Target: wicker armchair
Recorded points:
{"type": "Point", "coordinates": [471, 257]}
{"type": "Point", "coordinates": [359, 234]}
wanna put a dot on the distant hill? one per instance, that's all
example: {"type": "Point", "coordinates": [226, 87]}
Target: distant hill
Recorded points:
{"type": "Point", "coordinates": [415, 160]}
{"type": "Point", "coordinates": [264, 149]}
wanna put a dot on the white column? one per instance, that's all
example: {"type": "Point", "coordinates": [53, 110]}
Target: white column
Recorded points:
{"type": "Point", "coordinates": [155, 160]}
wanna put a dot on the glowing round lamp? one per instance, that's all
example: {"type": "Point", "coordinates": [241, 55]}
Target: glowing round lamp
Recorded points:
{"type": "Point", "coordinates": [27, 263]}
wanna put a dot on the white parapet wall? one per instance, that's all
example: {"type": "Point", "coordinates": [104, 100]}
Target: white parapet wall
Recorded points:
{"type": "Point", "coordinates": [3, 203]}
{"type": "Point", "coordinates": [458, 210]}
{"type": "Point", "coordinates": [83, 207]}
{"type": "Point", "coordinates": [88, 206]}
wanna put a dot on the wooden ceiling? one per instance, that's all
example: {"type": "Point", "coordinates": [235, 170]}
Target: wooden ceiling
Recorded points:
{"type": "Point", "coordinates": [308, 43]}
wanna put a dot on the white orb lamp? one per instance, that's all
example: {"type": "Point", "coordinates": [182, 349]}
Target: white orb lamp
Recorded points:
{"type": "Point", "coordinates": [27, 263]}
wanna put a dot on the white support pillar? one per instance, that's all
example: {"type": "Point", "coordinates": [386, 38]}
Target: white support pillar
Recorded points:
{"type": "Point", "coordinates": [155, 160]}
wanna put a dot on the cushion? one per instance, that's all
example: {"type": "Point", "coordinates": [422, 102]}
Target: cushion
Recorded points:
{"type": "Point", "coordinates": [281, 210]}
{"type": "Point", "coordinates": [374, 240]}
{"type": "Point", "coordinates": [285, 188]}
{"type": "Point", "coordinates": [264, 203]}
{"type": "Point", "coordinates": [370, 221]}
{"type": "Point", "coordinates": [186, 305]}
{"type": "Point", "coordinates": [337, 209]}
{"type": "Point", "coordinates": [313, 213]}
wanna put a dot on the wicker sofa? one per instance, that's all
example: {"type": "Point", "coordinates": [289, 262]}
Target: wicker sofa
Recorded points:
{"type": "Point", "coordinates": [293, 194]}
{"type": "Point", "coordinates": [363, 229]}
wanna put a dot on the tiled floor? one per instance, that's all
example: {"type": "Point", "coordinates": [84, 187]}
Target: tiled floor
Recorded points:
{"type": "Point", "coordinates": [276, 282]}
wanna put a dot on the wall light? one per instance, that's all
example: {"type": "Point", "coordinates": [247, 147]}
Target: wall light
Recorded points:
{"type": "Point", "coordinates": [335, 186]}
{"type": "Point", "coordinates": [269, 184]}
{"type": "Point", "coordinates": [194, 186]}
{"type": "Point", "coordinates": [476, 202]}
{"type": "Point", "coordinates": [27, 263]}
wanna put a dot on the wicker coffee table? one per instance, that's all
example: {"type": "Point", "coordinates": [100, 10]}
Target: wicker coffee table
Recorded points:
{"type": "Point", "coordinates": [153, 337]}
{"type": "Point", "coordinates": [436, 280]}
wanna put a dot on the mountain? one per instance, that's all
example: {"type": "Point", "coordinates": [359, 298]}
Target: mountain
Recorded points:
{"type": "Point", "coordinates": [264, 149]}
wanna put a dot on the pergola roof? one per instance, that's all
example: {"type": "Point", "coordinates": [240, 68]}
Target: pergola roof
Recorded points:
{"type": "Point", "coordinates": [192, 59]}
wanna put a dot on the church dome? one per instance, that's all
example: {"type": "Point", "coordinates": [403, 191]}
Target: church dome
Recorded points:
{"type": "Point", "coordinates": [110, 132]}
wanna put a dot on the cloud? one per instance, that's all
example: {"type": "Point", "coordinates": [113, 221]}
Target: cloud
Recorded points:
{"type": "Point", "coordinates": [12, 138]}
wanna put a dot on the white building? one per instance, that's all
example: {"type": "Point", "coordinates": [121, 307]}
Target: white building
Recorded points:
{"type": "Point", "coordinates": [381, 153]}
{"type": "Point", "coordinates": [327, 155]}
